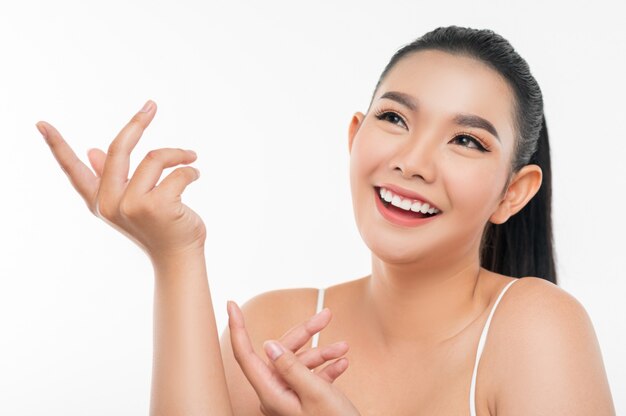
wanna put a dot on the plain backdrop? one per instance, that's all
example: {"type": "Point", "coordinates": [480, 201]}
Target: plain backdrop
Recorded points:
{"type": "Point", "coordinates": [264, 92]}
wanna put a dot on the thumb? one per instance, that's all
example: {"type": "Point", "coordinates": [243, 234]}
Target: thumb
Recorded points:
{"type": "Point", "coordinates": [293, 372]}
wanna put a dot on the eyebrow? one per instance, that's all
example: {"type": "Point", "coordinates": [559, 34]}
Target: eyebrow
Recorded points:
{"type": "Point", "coordinates": [463, 119]}
{"type": "Point", "coordinates": [402, 98]}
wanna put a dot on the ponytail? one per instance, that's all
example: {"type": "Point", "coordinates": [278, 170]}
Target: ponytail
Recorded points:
{"type": "Point", "coordinates": [523, 246]}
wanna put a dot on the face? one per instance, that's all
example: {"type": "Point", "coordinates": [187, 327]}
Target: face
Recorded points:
{"type": "Point", "coordinates": [440, 126]}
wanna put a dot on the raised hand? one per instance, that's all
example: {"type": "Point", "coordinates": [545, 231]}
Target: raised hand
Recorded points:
{"type": "Point", "coordinates": [287, 385]}
{"type": "Point", "coordinates": [152, 216]}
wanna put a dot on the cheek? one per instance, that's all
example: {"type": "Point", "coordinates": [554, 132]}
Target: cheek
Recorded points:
{"type": "Point", "coordinates": [474, 189]}
{"type": "Point", "coordinates": [365, 158]}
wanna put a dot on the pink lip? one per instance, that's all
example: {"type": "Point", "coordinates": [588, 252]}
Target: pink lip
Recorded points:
{"type": "Point", "coordinates": [406, 193]}
{"type": "Point", "coordinates": [396, 218]}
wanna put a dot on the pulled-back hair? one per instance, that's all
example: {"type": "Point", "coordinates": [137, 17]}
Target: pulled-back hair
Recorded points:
{"type": "Point", "coordinates": [523, 245]}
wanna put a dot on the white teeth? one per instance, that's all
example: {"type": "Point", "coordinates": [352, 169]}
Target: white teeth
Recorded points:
{"type": "Point", "coordinates": [407, 204]}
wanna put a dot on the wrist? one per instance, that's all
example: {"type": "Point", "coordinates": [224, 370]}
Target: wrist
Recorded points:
{"type": "Point", "coordinates": [177, 259]}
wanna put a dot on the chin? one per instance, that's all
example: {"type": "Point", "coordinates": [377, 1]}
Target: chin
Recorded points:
{"type": "Point", "coordinates": [395, 251]}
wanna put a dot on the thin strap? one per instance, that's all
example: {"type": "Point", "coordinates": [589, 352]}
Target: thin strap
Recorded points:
{"type": "Point", "coordinates": [481, 345]}
{"type": "Point", "coordinates": [320, 305]}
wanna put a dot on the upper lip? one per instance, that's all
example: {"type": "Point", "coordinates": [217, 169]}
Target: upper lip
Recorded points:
{"type": "Point", "coordinates": [406, 193]}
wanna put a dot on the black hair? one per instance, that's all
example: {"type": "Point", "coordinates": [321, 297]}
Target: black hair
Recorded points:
{"type": "Point", "coordinates": [523, 245]}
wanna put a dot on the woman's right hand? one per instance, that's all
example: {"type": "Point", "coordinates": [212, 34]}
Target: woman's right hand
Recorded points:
{"type": "Point", "coordinates": [152, 216]}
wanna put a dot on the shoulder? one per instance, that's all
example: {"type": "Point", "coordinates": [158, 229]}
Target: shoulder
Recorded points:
{"type": "Point", "coordinates": [272, 313]}
{"type": "Point", "coordinates": [533, 300]}
{"type": "Point", "coordinates": [546, 356]}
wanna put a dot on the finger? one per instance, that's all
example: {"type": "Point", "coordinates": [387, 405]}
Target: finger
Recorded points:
{"type": "Point", "coordinates": [295, 374]}
{"type": "Point", "coordinates": [317, 356]}
{"type": "Point", "coordinates": [334, 370]}
{"type": "Point", "coordinates": [299, 335]}
{"type": "Point", "coordinates": [254, 368]}
{"type": "Point", "coordinates": [151, 167]}
{"type": "Point", "coordinates": [96, 159]}
{"type": "Point", "coordinates": [79, 174]}
{"type": "Point", "coordinates": [116, 166]}
{"type": "Point", "coordinates": [175, 183]}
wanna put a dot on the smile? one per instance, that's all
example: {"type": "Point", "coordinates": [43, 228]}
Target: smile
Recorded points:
{"type": "Point", "coordinates": [403, 211]}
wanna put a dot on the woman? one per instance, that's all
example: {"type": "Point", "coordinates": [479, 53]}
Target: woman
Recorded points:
{"type": "Point", "coordinates": [450, 179]}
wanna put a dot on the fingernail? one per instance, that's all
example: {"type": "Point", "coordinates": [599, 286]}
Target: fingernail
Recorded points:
{"type": "Point", "coordinates": [146, 107]}
{"type": "Point", "coordinates": [42, 130]}
{"type": "Point", "coordinates": [322, 312]}
{"type": "Point", "coordinates": [273, 349]}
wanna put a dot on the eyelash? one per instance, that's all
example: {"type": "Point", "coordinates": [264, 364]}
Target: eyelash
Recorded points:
{"type": "Point", "coordinates": [381, 115]}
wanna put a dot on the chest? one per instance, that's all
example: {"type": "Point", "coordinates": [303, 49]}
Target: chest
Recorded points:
{"type": "Point", "coordinates": [406, 381]}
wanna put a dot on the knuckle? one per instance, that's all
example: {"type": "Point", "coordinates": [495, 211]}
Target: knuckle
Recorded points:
{"type": "Point", "coordinates": [93, 208]}
{"type": "Point", "coordinates": [154, 155]}
{"type": "Point", "coordinates": [287, 366]}
{"type": "Point", "coordinates": [115, 148]}
{"type": "Point", "coordinates": [137, 121]}
{"type": "Point", "coordinates": [129, 208]}
{"type": "Point", "coordinates": [106, 210]}
{"type": "Point", "coordinates": [237, 355]}
{"type": "Point", "coordinates": [183, 173]}
{"type": "Point", "coordinates": [265, 409]}
{"type": "Point", "coordinates": [268, 408]}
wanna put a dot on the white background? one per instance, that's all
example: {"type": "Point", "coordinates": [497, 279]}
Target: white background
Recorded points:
{"type": "Point", "coordinates": [264, 92]}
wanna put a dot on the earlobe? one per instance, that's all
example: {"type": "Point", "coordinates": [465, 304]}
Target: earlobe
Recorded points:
{"type": "Point", "coordinates": [355, 124]}
{"type": "Point", "coordinates": [521, 190]}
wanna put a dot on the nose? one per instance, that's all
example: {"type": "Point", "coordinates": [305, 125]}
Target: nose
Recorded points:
{"type": "Point", "coordinates": [415, 157]}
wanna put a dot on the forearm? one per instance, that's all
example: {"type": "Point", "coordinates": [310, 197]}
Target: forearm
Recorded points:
{"type": "Point", "coordinates": [188, 373]}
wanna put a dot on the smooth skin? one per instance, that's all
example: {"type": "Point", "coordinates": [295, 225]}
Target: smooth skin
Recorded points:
{"type": "Point", "coordinates": [413, 324]}
{"type": "Point", "coordinates": [188, 374]}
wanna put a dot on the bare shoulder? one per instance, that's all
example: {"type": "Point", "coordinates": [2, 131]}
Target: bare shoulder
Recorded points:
{"type": "Point", "coordinates": [545, 354]}
{"type": "Point", "coordinates": [271, 314]}
{"type": "Point", "coordinates": [541, 293]}
{"type": "Point", "coordinates": [267, 316]}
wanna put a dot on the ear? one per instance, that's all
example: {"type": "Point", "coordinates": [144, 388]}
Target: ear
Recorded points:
{"type": "Point", "coordinates": [355, 123]}
{"type": "Point", "coordinates": [522, 188]}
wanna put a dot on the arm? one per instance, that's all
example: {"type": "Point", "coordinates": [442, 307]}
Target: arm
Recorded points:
{"type": "Point", "coordinates": [188, 375]}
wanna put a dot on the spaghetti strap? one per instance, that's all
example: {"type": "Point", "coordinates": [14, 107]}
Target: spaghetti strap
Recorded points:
{"type": "Point", "coordinates": [320, 306]}
{"type": "Point", "coordinates": [481, 345]}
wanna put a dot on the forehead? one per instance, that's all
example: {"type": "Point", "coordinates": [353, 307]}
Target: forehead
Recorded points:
{"type": "Point", "coordinates": [445, 84]}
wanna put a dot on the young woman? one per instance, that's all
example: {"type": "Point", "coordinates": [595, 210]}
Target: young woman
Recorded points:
{"type": "Point", "coordinates": [450, 179]}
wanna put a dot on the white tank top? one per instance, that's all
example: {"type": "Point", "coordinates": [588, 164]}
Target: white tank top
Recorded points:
{"type": "Point", "coordinates": [479, 351]}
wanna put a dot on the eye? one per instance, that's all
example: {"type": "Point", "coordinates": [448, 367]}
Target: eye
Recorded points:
{"type": "Point", "coordinates": [471, 142]}
{"type": "Point", "coordinates": [390, 116]}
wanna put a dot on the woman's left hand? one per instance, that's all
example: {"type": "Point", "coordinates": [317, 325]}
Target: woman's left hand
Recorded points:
{"type": "Point", "coordinates": [287, 386]}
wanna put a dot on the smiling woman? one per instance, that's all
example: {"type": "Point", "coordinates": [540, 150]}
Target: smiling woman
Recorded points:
{"type": "Point", "coordinates": [450, 182]}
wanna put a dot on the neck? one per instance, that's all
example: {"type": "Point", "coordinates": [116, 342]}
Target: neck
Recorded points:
{"type": "Point", "coordinates": [424, 304]}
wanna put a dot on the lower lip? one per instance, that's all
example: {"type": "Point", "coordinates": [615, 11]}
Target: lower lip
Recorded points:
{"type": "Point", "coordinates": [398, 218]}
